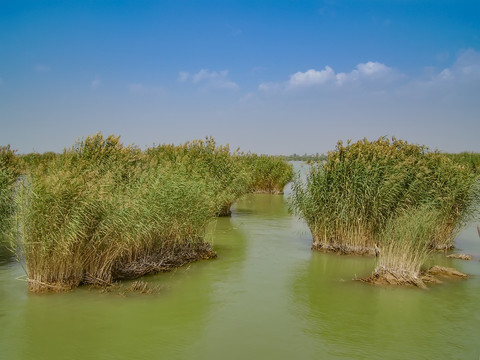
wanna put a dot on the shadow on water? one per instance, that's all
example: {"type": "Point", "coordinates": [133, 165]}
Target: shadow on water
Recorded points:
{"type": "Point", "coordinates": [6, 255]}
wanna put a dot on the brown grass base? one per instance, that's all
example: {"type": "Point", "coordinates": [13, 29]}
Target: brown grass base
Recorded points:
{"type": "Point", "coordinates": [431, 276]}
{"type": "Point", "coordinates": [344, 249]}
{"type": "Point", "coordinates": [154, 262]}
{"type": "Point", "coordinates": [163, 261]}
{"type": "Point", "coordinates": [460, 256]}
{"type": "Point", "coordinates": [442, 247]}
{"type": "Point", "coordinates": [446, 272]}
{"type": "Point", "coordinates": [387, 277]}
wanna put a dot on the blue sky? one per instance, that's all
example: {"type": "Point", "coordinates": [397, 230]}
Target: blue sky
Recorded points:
{"type": "Point", "coordinates": [272, 77]}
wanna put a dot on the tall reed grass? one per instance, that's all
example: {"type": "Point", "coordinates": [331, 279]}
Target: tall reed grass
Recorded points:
{"type": "Point", "coordinates": [226, 177]}
{"type": "Point", "coordinates": [9, 172]}
{"type": "Point", "coordinates": [269, 174]}
{"type": "Point", "coordinates": [348, 201]}
{"type": "Point", "coordinates": [405, 246]}
{"type": "Point", "coordinates": [468, 159]}
{"type": "Point", "coordinates": [101, 211]}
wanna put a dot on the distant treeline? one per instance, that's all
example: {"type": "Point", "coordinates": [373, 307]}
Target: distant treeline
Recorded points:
{"type": "Point", "coordinates": [305, 157]}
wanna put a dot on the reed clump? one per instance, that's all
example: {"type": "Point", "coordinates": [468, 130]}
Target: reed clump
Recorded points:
{"type": "Point", "coordinates": [404, 247]}
{"type": "Point", "coordinates": [468, 159]}
{"type": "Point", "coordinates": [269, 174]}
{"type": "Point", "coordinates": [9, 172]}
{"type": "Point", "coordinates": [368, 193]}
{"type": "Point", "coordinates": [102, 211]}
{"type": "Point", "coordinates": [225, 176]}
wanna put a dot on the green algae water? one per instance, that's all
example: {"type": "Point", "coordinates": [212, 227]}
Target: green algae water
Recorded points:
{"type": "Point", "coordinates": [266, 296]}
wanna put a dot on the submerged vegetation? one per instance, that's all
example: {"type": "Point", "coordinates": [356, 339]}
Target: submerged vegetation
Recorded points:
{"type": "Point", "coordinates": [102, 211]}
{"type": "Point", "coordinates": [389, 198]}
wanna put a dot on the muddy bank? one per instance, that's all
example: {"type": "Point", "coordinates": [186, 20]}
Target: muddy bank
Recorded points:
{"type": "Point", "coordinates": [399, 278]}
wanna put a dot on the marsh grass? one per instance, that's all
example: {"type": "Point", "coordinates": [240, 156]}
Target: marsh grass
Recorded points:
{"type": "Point", "coordinates": [469, 159]}
{"type": "Point", "coordinates": [91, 212]}
{"type": "Point", "coordinates": [405, 246]}
{"type": "Point", "coordinates": [225, 176]}
{"type": "Point", "coordinates": [269, 174]}
{"type": "Point", "coordinates": [349, 200]}
{"type": "Point", "coordinates": [9, 172]}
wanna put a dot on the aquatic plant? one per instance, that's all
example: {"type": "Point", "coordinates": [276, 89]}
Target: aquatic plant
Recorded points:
{"type": "Point", "coordinates": [348, 200]}
{"type": "Point", "coordinates": [405, 246]}
{"type": "Point", "coordinates": [269, 174]}
{"type": "Point", "coordinates": [9, 172]}
{"type": "Point", "coordinates": [468, 159]}
{"type": "Point", "coordinates": [226, 177]}
{"type": "Point", "coordinates": [101, 211]}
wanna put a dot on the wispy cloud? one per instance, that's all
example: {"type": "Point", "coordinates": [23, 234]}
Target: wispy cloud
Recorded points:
{"type": "Point", "coordinates": [465, 68]}
{"type": "Point", "coordinates": [41, 68]}
{"type": "Point", "coordinates": [96, 82]}
{"type": "Point", "coordinates": [145, 89]}
{"type": "Point", "coordinates": [183, 76]}
{"type": "Point", "coordinates": [208, 79]}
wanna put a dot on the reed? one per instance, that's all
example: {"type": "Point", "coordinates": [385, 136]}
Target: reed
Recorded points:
{"type": "Point", "coordinates": [101, 211]}
{"type": "Point", "coordinates": [226, 177]}
{"type": "Point", "coordinates": [468, 159]}
{"type": "Point", "coordinates": [269, 174]}
{"type": "Point", "coordinates": [348, 200]}
{"type": "Point", "coordinates": [9, 172]}
{"type": "Point", "coordinates": [405, 246]}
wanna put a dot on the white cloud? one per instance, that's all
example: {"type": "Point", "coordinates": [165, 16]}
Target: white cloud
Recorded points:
{"type": "Point", "coordinates": [209, 79]}
{"type": "Point", "coordinates": [40, 68]}
{"type": "Point", "coordinates": [364, 73]}
{"type": "Point", "coordinates": [311, 77]}
{"type": "Point", "coordinates": [95, 83]}
{"type": "Point", "coordinates": [145, 89]}
{"type": "Point", "coordinates": [373, 68]}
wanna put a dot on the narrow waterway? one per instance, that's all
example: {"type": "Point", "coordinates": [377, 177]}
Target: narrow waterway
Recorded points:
{"type": "Point", "coordinates": [266, 296]}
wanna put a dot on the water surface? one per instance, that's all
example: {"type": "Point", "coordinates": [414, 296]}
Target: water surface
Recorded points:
{"type": "Point", "coordinates": [266, 296]}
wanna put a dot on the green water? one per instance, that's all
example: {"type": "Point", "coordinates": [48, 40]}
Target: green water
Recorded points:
{"type": "Point", "coordinates": [266, 296]}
